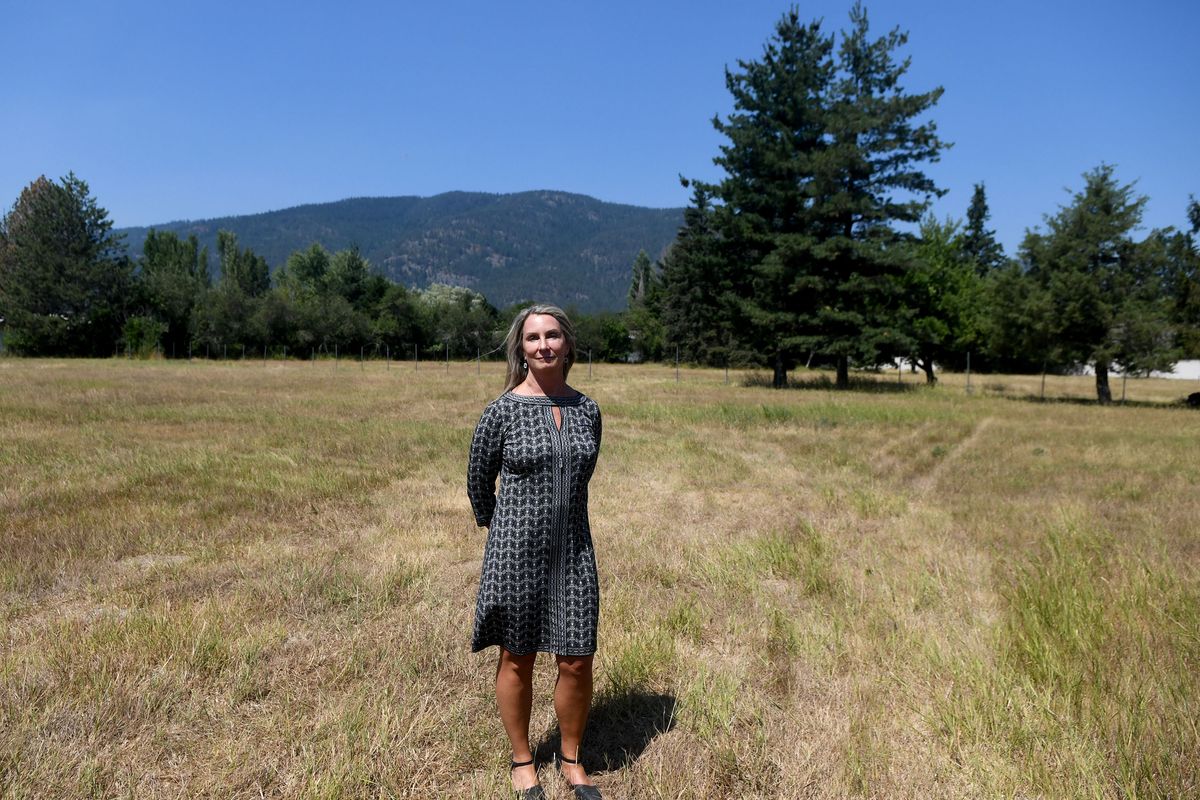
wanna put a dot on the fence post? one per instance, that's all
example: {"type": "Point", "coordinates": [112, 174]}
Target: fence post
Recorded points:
{"type": "Point", "coordinates": [478, 362]}
{"type": "Point", "coordinates": [416, 357]}
{"type": "Point", "coordinates": [677, 363]}
{"type": "Point", "coordinates": [589, 363]}
{"type": "Point", "coordinates": [969, 390]}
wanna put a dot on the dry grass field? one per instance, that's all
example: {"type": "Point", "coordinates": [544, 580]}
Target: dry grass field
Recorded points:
{"type": "Point", "coordinates": [238, 580]}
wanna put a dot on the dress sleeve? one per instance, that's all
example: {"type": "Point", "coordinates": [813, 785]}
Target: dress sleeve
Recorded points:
{"type": "Point", "coordinates": [483, 464]}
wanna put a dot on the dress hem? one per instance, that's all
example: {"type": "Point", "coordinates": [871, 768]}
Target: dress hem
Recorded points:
{"type": "Point", "coordinates": [566, 651]}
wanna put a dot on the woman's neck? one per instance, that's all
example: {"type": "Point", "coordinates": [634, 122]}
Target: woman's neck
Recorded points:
{"type": "Point", "coordinates": [548, 385]}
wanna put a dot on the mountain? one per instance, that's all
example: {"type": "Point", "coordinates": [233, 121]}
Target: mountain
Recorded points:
{"type": "Point", "coordinates": [569, 249]}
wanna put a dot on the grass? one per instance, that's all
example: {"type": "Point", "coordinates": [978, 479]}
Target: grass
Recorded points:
{"type": "Point", "coordinates": [238, 580]}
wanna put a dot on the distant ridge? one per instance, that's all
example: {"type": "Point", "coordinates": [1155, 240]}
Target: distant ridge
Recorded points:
{"type": "Point", "coordinates": [566, 248]}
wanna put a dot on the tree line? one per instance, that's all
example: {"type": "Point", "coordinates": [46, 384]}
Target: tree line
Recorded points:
{"type": "Point", "coordinates": [69, 288]}
{"type": "Point", "coordinates": [817, 247]}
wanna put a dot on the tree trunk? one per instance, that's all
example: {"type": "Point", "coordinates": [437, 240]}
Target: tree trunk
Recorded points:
{"type": "Point", "coordinates": [843, 372]}
{"type": "Point", "coordinates": [1103, 393]}
{"type": "Point", "coordinates": [779, 381]}
{"type": "Point", "coordinates": [927, 365]}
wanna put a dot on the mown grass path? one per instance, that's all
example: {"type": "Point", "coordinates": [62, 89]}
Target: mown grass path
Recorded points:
{"type": "Point", "coordinates": [247, 580]}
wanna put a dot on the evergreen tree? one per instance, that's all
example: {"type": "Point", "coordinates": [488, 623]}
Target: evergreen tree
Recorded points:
{"type": "Point", "coordinates": [759, 259]}
{"type": "Point", "coordinates": [823, 158]}
{"type": "Point", "coordinates": [1017, 327]}
{"type": "Point", "coordinates": [870, 179]}
{"type": "Point", "coordinates": [1099, 283]}
{"type": "Point", "coordinates": [698, 310]}
{"type": "Point", "coordinates": [64, 276]}
{"type": "Point", "coordinates": [979, 243]}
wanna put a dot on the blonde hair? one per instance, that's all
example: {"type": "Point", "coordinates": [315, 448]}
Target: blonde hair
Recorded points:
{"type": "Point", "coordinates": [517, 369]}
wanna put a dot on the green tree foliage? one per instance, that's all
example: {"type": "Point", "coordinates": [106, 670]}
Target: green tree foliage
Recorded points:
{"type": "Point", "coordinates": [605, 335]}
{"type": "Point", "coordinates": [172, 278]}
{"type": "Point", "coordinates": [942, 296]}
{"type": "Point", "coordinates": [1173, 258]}
{"type": "Point", "coordinates": [643, 285]}
{"type": "Point", "coordinates": [64, 276]}
{"type": "Point", "coordinates": [460, 318]}
{"type": "Point", "coordinates": [305, 270]}
{"type": "Point", "coordinates": [697, 309]}
{"type": "Point", "coordinates": [1017, 326]}
{"type": "Point", "coordinates": [1104, 294]}
{"type": "Point", "coordinates": [143, 335]}
{"type": "Point", "coordinates": [396, 320]}
{"type": "Point", "coordinates": [242, 268]}
{"type": "Point", "coordinates": [823, 160]}
{"type": "Point", "coordinates": [978, 242]}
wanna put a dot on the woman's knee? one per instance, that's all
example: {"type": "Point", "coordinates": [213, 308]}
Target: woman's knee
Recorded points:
{"type": "Point", "coordinates": [512, 664]}
{"type": "Point", "coordinates": [575, 667]}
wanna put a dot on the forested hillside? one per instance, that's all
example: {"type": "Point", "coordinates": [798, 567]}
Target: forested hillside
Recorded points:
{"type": "Point", "coordinates": [569, 248]}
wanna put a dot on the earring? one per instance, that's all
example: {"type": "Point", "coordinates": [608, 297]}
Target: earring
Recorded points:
{"type": "Point", "coordinates": [524, 365]}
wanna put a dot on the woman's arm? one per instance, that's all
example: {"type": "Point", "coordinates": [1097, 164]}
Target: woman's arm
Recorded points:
{"type": "Point", "coordinates": [483, 464]}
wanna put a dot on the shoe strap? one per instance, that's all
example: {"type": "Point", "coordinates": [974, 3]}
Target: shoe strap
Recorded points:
{"type": "Point", "coordinates": [515, 764]}
{"type": "Point", "coordinates": [566, 760]}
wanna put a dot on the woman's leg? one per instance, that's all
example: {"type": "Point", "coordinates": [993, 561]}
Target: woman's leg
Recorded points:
{"type": "Point", "coordinates": [514, 697]}
{"type": "Point", "coordinates": [572, 702]}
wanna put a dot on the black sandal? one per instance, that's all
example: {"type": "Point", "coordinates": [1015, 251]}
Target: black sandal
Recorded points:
{"type": "Point", "coordinates": [583, 791]}
{"type": "Point", "coordinates": [535, 792]}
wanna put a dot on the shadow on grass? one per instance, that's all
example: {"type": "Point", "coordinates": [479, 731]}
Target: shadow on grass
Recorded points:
{"type": "Point", "coordinates": [619, 729]}
{"type": "Point", "coordinates": [826, 384]}
{"type": "Point", "coordinates": [1091, 401]}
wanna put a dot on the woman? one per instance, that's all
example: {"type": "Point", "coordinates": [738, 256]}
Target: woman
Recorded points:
{"type": "Point", "coordinates": [538, 590]}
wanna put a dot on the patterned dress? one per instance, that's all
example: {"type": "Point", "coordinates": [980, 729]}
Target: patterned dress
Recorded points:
{"type": "Point", "coordinates": [538, 590]}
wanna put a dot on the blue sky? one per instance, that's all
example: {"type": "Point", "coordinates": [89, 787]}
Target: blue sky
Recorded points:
{"type": "Point", "coordinates": [188, 110]}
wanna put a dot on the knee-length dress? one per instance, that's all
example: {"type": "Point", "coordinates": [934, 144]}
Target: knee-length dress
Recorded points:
{"type": "Point", "coordinates": [538, 590]}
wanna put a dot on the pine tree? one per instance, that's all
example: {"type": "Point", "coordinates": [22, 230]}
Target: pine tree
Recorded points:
{"type": "Point", "coordinates": [870, 180]}
{"type": "Point", "coordinates": [64, 276]}
{"type": "Point", "coordinates": [823, 158]}
{"type": "Point", "coordinates": [698, 308]}
{"type": "Point", "coordinates": [1103, 292]}
{"type": "Point", "coordinates": [979, 243]}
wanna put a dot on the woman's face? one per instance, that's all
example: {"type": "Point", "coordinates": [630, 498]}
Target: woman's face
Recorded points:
{"type": "Point", "coordinates": [543, 344]}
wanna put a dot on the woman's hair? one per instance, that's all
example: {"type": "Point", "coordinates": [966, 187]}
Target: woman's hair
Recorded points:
{"type": "Point", "coordinates": [512, 343]}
